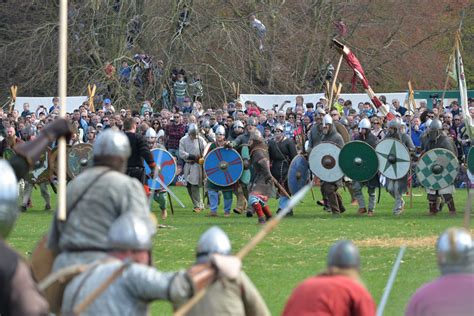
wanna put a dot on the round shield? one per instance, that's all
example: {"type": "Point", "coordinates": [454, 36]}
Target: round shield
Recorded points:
{"type": "Point", "coordinates": [323, 162]}
{"type": "Point", "coordinates": [342, 130]}
{"type": "Point", "coordinates": [79, 158]}
{"type": "Point", "coordinates": [437, 168]}
{"type": "Point", "coordinates": [40, 172]}
{"type": "Point", "coordinates": [358, 161]}
{"type": "Point", "coordinates": [223, 166]}
{"type": "Point", "coordinates": [298, 173]}
{"type": "Point", "coordinates": [470, 160]}
{"type": "Point", "coordinates": [394, 158]}
{"type": "Point", "coordinates": [166, 168]}
{"type": "Point", "coordinates": [246, 174]}
{"type": "Point", "coordinates": [53, 161]}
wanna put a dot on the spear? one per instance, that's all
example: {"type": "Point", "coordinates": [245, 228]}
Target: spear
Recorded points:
{"type": "Point", "coordinates": [62, 56]}
{"type": "Point", "coordinates": [269, 226]}
{"type": "Point", "coordinates": [390, 282]}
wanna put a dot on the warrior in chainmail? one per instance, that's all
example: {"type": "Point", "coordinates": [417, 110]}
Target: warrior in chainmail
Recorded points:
{"type": "Point", "coordinates": [159, 195]}
{"type": "Point", "coordinates": [226, 296]}
{"type": "Point", "coordinates": [95, 199]}
{"type": "Point", "coordinates": [213, 189]}
{"type": "Point", "coordinates": [134, 282]}
{"type": "Point", "coordinates": [316, 131]}
{"type": "Point", "coordinates": [397, 188]}
{"type": "Point", "coordinates": [261, 186]}
{"type": "Point", "coordinates": [433, 138]}
{"type": "Point", "coordinates": [281, 151]}
{"type": "Point", "coordinates": [366, 136]}
{"type": "Point", "coordinates": [329, 189]}
{"type": "Point", "coordinates": [242, 139]}
{"type": "Point", "coordinates": [191, 149]}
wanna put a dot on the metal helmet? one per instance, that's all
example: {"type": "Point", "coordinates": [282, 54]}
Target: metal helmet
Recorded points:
{"type": "Point", "coordinates": [238, 124]}
{"type": "Point", "coordinates": [214, 240]}
{"type": "Point", "coordinates": [131, 232]}
{"type": "Point", "coordinates": [192, 129]}
{"type": "Point", "coordinates": [428, 122]}
{"type": "Point", "coordinates": [327, 119]}
{"type": "Point", "coordinates": [365, 123]}
{"type": "Point", "coordinates": [279, 127]}
{"type": "Point", "coordinates": [344, 254]}
{"type": "Point", "coordinates": [343, 120]}
{"type": "Point", "coordinates": [436, 125]}
{"type": "Point", "coordinates": [112, 143]}
{"type": "Point", "coordinates": [8, 198]}
{"type": "Point", "coordinates": [220, 130]}
{"type": "Point", "coordinates": [205, 124]}
{"type": "Point", "coordinates": [161, 133]}
{"type": "Point", "coordinates": [395, 123]}
{"type": "Point", "coordinates": [150, 133]}
{"type": "Point", "coordinates": [455, 251]}
{"type": "Point", "coordinates": [255, 135]}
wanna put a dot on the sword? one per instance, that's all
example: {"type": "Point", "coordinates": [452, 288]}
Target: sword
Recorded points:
{"type": "Point", "coordinates": [169, 191]}
{"type": "Point", "coordinates": [390, 282]}
{"type": "Point", "coordinates": [267, 228]}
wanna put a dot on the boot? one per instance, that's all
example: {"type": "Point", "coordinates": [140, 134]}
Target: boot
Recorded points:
{"type": "Point", "coordinates": [257, 207]}
{"type": "Point", "coordinates": [433, 208]}
{"type": "Point", "coordinates": [267, 212]}
{"type": "Point", "coordinates": [452, 207]}
{"type": "Point", "coordinates": [342, 209]}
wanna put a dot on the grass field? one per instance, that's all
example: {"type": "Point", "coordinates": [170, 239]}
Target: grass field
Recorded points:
{"type": "Point", "coordinates": [299, 245]}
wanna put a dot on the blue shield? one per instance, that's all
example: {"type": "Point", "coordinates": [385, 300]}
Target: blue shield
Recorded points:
{"type": "Point", "coordinates": [298, 174]}
{"type": "Point", "coordinates": [223, 166]}
{"type": "Point", "coordinates": [166, 168]}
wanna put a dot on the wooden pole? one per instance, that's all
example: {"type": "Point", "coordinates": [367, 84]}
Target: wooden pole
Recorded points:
{"type": "Point", "coordinates": [334, 81]}
{"type": "Point", "coordinates": [62, 61]}
{"type": "Point", "coordinates": [411, 98]}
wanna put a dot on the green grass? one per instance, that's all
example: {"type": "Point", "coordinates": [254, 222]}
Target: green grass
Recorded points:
{"type": "Point", "coordinates": [297, 248]}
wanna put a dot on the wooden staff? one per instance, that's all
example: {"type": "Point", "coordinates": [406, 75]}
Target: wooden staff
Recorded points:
{"type": "Point", "coordinates": [171, 203]}
{"type": "Point", "coordinates": [62, 56]}
{"type": "Point", "coordinates": [13, 90]}
{"type": "Point", "coordinates": [280, 187]}
{"type": "Point", "coordinates": [411, 98]}
{"type": "Point", "coordinates": [91, 90]}
{"type": "Point", "coordinates": [269, 226]}
{"type": "Point", "coordinates": [334, 80]}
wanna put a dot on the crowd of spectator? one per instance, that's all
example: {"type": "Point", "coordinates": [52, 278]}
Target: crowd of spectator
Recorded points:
{"type": "Point", "coordinates": [170, 124]}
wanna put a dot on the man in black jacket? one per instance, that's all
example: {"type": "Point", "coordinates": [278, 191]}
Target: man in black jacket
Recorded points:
{"type": "Point", "coordinates": [140, 151]}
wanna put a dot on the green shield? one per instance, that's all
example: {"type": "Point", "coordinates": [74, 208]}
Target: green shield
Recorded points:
{"type": "Point", "coordinates": [358, 161]}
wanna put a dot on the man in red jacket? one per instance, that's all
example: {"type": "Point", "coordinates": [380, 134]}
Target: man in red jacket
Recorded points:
{"type": "Point", "coordinates": [336, 291]}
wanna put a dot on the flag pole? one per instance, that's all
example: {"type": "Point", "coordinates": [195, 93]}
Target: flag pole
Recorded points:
{"type": "Point", "coordinates": [62, 87]}
{"type": "Point", "coordinates": [334, 81]}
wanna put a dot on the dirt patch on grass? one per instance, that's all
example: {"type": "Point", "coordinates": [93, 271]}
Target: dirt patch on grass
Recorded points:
{"type": "Point", "coordinates": [415, 242]}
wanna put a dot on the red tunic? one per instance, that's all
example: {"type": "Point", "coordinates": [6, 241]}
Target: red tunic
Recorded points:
{"type": "Point", "coordinates": [330, 295]}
